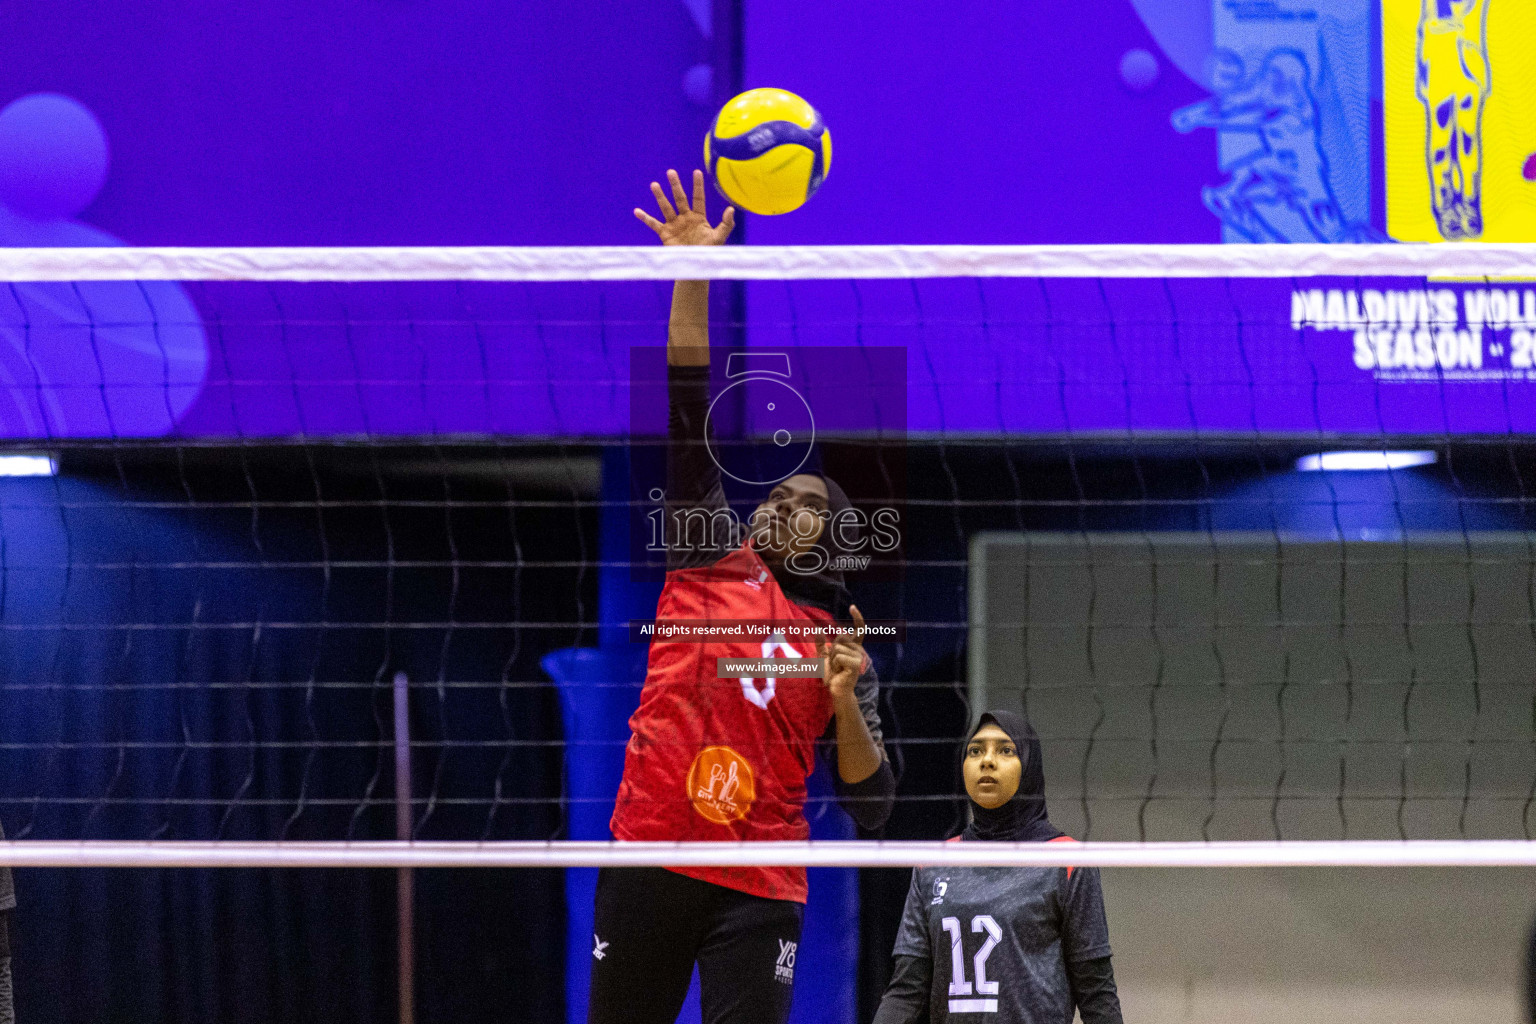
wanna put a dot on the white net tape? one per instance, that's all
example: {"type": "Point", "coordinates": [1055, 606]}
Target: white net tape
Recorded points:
{"type": "Point", "coordinates": [825, 853]}
{"type": "Point", "coordinates": [830, 262]}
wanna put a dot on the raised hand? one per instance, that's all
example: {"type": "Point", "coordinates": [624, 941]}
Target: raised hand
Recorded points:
{"type": "Point", "coordinates": [686, 224]}
{"type": "Point", "coordinates": [843, 660]}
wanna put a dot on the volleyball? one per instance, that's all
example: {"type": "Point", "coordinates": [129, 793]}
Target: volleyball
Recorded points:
{"type": "Point", "coordinates": [768, 151]}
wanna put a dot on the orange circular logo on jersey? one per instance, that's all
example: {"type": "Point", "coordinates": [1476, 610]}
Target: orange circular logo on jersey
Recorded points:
{"type": "Point", "coordinates": [721, 785]}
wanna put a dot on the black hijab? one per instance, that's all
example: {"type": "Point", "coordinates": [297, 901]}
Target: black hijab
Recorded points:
{"type": "Point", "coordinates": [1022, 819]}
{"type": "Point", "coordinates": [826, 588]}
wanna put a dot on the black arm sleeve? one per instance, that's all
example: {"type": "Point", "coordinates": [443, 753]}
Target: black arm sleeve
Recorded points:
{"type": "Point", "coordinates": [906, 997]}
{"type": "Point", "coordinates": [699, 527]}
{"type": "Point", "coordinates": [1093, 990]}
{"type": "Point", "coordinates": [869, 801]}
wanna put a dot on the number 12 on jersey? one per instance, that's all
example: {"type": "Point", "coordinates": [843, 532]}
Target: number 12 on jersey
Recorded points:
{"type": "Point", "coordinates": [959, 988]}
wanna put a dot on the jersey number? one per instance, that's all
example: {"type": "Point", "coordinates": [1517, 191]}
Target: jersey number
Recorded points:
{"type": "Point", "coordinates": [773, 647]}
{"type": "Point", "coordinates": [962, 992]}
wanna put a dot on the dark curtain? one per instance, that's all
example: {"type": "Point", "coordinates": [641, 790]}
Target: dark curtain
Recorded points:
{"type": "Point", "coordinates": [200, 645]}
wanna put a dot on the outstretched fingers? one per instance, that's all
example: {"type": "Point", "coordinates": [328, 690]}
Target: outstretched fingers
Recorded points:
{"type": "Point", "coordinates": [661, 201]}
{"type": "Point", "coordinates": [855, 636]}
{"type": "Point", "coordinates": [649, 221]}
{"type": "Point", "coordinates": [698, 192]}
{"type": "Point", "coordinates": [678, 194]}
{"type": "Point", "coordinates": [727, 224]}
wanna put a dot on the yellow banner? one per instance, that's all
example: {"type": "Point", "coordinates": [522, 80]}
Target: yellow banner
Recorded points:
{"type": "Point", "coordinates": [1459, 96]}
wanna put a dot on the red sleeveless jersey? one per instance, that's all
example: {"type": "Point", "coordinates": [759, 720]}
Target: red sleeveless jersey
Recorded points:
{"type": "Point", "coordinates": [724, 759]}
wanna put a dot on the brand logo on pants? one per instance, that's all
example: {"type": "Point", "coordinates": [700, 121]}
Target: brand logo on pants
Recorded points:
{"type": "Point", "coordinates": [784, 970]}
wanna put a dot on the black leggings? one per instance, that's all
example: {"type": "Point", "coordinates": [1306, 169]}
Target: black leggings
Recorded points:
{"type": "Point", "coordinates": [652, 925]}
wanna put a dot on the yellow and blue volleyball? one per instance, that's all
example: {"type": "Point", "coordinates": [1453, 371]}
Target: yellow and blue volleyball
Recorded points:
{"type": "Point", "coordinates": [768, 151]}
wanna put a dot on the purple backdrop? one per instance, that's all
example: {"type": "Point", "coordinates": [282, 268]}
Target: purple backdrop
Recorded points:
{"type": "Point", "coordinates": [375, 122]}
{"type": "Point", "coordinates": [363, 122]}
{"type": "Point", "coordinates": [978, 121]}
{"type": "Point", "coordinates": [339, 122]}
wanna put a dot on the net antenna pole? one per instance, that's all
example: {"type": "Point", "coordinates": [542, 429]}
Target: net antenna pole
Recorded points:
{"type": "Point", "coordinates": [404, 880]}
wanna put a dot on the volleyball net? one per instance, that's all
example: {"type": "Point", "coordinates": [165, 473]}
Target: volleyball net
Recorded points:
{"type": "Point", "coordinates": [343, 557]}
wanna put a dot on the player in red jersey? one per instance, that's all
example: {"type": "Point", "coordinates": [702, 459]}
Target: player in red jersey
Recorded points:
{"type": "Point", "coordinates": [715, 758]}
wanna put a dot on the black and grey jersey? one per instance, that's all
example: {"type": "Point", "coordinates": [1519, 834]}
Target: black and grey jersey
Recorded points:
{"type": "Point", "coordinates": [7, 888]}
{"type": "Point", "coordinates": [1000, 940]}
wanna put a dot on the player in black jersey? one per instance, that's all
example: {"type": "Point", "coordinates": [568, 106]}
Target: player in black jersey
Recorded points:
{"type": "Point", "coordinates": [1530, 977]}
{"type": "Point", "coordinates": [1003, 945]}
